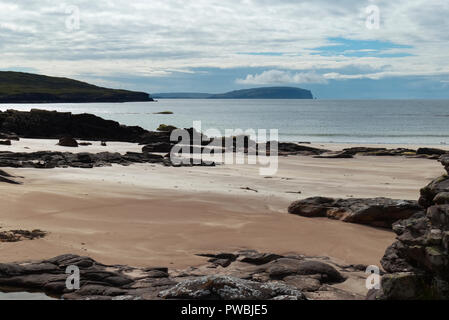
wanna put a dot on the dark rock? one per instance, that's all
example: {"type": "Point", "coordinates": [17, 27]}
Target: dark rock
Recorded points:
{"type": "Point", "coordinates": [258, 259]}
{"type": "Point", "coordinates": [9, 136]}
{"type": "Point", "coordinates": [294, 148]}
{"type": "Point", "coordinates": [378, 151]}
{"type": "Point", "coordinates": [5, 142]}
{"type": "Point", "coordinates": [285, 267]}
{"type": "Point", "coordinates": [54, 125]}
{"type": "Point", "coordinates": [445, 162]}
{"type": "Point", "coordinates": [239, 281]}
{"type": "Point", "coordinates": [377, 212]}
{"type": "Point", "coordinates": [429, 192]}
{"type": "Point", "coordinates": [20, 235]}
{"type": "Point", "coordinates": [84, 144]}
{"type": "Point", "coordinates": [68, 142]}
{"type": "Point", "coordinates": [303, 283]}
{"type": "Point", "coordinates": [229, 288]}
{"type": "Point", "coordinates": [431, 151]}
{"type": "Point", "coordinates": [418, 263]}
{"type": "Point", "coordinates": [47, 160]}
{"type": "Point", "coordinates": [158, 147]}
{"type": "Point", "coordinates": [312, 207]}
{"type": "Point", "coordinates": [442, 198]}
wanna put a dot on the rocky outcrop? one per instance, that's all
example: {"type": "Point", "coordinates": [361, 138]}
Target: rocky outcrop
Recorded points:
{"type": "Point", "coordinates": [293, 277]}
{"type": "Point", "coordinates": [230, 288]}
{"type": "Point", "coordinates": [418, 263]}
{"type": "Point", "coordinates": [20, 235]}
{"type": "Point", "coordinates": [377, 212]}
{"type": "Point", "coordinates": [431, 151]}
{"type": "Point", "coordinates": [51, 124]}
{"type": "Point", "coordinates": [85, 160]}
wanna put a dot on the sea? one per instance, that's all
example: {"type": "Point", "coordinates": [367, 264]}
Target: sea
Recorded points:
{"type": "Point", "coordinates": [324, 121]}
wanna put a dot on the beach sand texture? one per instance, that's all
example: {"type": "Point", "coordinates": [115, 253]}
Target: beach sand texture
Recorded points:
{"type": "Point", "coordinates": [147, 215]}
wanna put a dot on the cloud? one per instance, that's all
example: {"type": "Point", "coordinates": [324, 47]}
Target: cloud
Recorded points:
{"type": "Point", "coordinates": [151, 38]}
{"type": "Point", "coordinates": [274, 77]}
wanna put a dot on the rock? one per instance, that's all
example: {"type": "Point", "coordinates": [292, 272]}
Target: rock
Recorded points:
{"type": "Point", "coordinates": [431, 151]}
{"type": "Point", "coordinates": [437, 186]}
{"type": "Point", "coordinates": [68, 142]}
{"type": "Point", "coordinates": [239, 281]}
{"type": "Point", "coordinates": [47, 159]}
{"type": "Point", "coordinates": [338, 155]}
{"type": "Point", "coordinates": [445, 162]}
{"type": "Point", "coordinates": [294, 148]}
{"type": "Point", "coordinates": [378, 151]}
{"type": "Point", "coordinates": [53, 125]}
{"type": "Point", "coordinates": [229, 288]}
{"type": "Point", "coordinates": [285, 267]}
{"type": "Point", "coordinates": [418, 262]}
{"type": "Point", "coordinates": [166, 128]}
{"type": "Point", "coordinates": [258, 259]}
{"type": "Point", "coordinates": [442, 198]}
{"type": "Point", "coordinates": [20, 235]}
{"type": "Point", "coordinates": [311, 207]}
{"type": "Point", "coordinates": [158, 147]}
{"type": "Point", "coordinates": [84, 144]}
{"type": "Point", "coordinates": [5, 142]}
{"type": "Point", "coordinates": [9, 136]}
{"type": "Point", "coordinates": [377, 212]}
{"type": "Point", "coordinates": [303, 283]}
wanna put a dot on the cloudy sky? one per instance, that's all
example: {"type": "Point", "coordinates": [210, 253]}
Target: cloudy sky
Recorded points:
{"type": "Point", "coordinates": [334, 48]}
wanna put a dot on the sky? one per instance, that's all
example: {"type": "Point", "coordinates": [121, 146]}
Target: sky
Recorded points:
{"type": "Point", "coordinates": [353, 49]}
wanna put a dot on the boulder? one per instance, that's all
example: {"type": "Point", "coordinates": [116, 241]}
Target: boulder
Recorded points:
{"type": "Point", "coordinates": [229, 288]}
{"type": "Point", "coordinates": [284, 267]}
{"type": "Point", "coordinates": [377, 212]}
{"type": "Point", "coordinates": [68, 142]}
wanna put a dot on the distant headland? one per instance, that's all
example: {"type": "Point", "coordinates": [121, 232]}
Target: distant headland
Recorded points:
{"type": "Point", "coordinates": [256, 93]}
{"type": "Point", "coordinates": [18, 87]}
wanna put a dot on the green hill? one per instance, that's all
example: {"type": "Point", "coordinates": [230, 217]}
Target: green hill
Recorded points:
{"type": "Point", "coordinates": [256, 93]}
{"type": "Point", "coordinates": [18, 87]}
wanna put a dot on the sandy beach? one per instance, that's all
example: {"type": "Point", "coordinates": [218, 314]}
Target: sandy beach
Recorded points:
{"type": "Point", "coordinates": [146, 215]}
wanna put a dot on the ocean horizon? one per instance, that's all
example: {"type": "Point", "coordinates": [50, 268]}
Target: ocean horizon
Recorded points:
{"type": "Point", "coordinates": [316, 121]}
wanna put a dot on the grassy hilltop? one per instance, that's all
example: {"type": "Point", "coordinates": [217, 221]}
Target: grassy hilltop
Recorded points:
{"type": "Point", "coordinates": [18, 87]}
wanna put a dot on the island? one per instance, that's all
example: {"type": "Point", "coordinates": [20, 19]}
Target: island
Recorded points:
{"type": "Point", "coordinates": [255, 93]}
{"type": "Point", "coordinates": [19, 87]}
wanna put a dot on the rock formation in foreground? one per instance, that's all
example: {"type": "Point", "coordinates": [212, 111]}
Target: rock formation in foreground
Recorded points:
{"type": "Point", "coordinates": [244, 275]}
{"type": "Point", "coordinates": [376, 212]}
{"type": "Point", "coordinates": [418, 263]}
{"type": "Point", "coordinates": [84, 160]}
